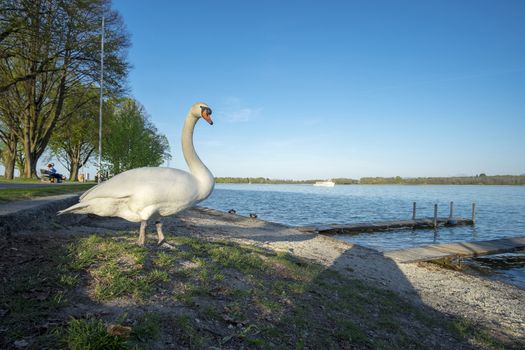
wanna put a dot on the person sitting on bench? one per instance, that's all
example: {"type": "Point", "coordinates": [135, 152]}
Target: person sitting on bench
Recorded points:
{"type": "Point", "coordinates": [53, 173]}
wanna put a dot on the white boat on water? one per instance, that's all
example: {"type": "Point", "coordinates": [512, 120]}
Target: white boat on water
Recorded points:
{"type": "Point", "coordinates": [324, 183]}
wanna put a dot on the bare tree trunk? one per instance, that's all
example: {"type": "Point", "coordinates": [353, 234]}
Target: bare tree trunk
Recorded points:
{"type": "Point", "coordinates": [20, 160]}
{"type": "Point", "coordinates": [27, 158]}
{"type": "Point", "coordinates": [9, 165]}
{"type": "Point", "coordinates": [30, 161]}
{"type": "Point", "coordinates": [27, 132]}
{"type": "Point", "coordinates": [74, 172]}
{"type": "Point", "coordinates": [74, 166]}
{"type": "Point", "coordinates": [30, 166]}
{"type": "Point", "coordinates": [9, 156]}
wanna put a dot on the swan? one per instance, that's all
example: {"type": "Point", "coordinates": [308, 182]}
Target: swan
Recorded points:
{"type": "Point", "coordinates": [141, 194]}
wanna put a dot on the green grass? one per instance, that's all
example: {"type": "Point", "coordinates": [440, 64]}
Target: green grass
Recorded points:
{"type": "Point", "coordinates": [11, 194]}
{"type": "Point", "coordinates": [465, 328]}
{"type": "Point", "coordinates": [25, 180]}
{"type": "Point", "coordinates": [206, 294]}
{"type": "Point", "coordinates": [19, 180]}
{"type": "Point", "coordinates": [91, 334]}
{"type": "Point", "coordinates": [147, 327]}
{"type": "Point", "coordinates": [117, 267]}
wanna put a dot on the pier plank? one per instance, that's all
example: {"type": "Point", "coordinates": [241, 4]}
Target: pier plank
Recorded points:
{"type": "Point", "coordinates": [462, 249]}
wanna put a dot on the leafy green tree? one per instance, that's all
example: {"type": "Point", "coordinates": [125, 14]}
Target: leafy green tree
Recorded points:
{"type": "Point", "coordinates": [130, 139]}
{"type": "Point", "coordinates": [49, 48]}
{"type": "Point", "coordinates": [74, 142]}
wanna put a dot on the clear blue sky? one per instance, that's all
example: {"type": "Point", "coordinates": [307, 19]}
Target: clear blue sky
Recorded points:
{"type": "Point", "coordinates": [323, 89]}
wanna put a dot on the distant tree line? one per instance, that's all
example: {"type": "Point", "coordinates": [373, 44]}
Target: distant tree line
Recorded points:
{"type": "Point", "coordinates": [263, 180]}
{"type": "Point", "coordinates": [258, 180]}
{"type": "Point", "coordinates": [481, 179]}
{"type": "Point", "coordinates": [345, 181]}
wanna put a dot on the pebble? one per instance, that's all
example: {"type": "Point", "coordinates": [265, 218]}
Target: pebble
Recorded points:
{"type": "Point", "coordinates": [21, 344]}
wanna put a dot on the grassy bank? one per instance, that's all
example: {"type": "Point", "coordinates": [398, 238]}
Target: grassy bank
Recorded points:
{"type": "Point", "coordinates": [19, 180]}
{"type": "Point", "coordinates": [10, 194]}
{"type": "Point", "coordinates": [105, 292]}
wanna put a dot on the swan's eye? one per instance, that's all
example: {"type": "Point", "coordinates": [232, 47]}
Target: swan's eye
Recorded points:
{"type": "Point", "coordinates": [206, 109]}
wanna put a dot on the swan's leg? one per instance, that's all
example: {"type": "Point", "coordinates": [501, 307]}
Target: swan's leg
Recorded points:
{"type": "Point", "coordinates": [158, 225]}
{"type": "Point", "coordinates": [142, 232]}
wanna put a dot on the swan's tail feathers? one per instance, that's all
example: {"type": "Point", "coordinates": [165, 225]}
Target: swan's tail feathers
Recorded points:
{"type": "Point", "coordinates": [76, 209]}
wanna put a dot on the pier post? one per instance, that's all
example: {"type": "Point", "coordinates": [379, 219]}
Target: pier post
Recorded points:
{"type": "Point", "coordinates": [414, 211]}
{"type": "Point", "coordinates": [435, 215]}
{"type": "Point", "coordinates": [451, 210]}
{"type": "Point", "coordinates": [473, 213]}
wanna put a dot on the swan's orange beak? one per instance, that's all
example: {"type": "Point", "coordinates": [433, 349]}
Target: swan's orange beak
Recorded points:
{"type": "Point", "coordinates": [206, 115]}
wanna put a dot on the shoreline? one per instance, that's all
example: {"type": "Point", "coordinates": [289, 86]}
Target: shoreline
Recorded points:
{"type": "Point", "coordinates": [380, 184]}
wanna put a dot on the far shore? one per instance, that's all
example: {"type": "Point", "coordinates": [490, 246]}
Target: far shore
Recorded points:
{"type": "Point", "coordinates": [482, 179]}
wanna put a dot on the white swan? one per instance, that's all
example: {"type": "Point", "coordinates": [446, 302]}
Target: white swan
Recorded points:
{"type": "Point", "coordinates": [141, 194]}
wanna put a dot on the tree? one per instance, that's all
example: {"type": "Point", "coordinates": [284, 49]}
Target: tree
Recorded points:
{"type": "Point", "coordinates": [53, 50]}
{"type": "Point", "coordinates": [9, 143]}
{"type": "Point", "coordinates": [74, 142]}
{"type": "Point", "coordinates": [130, 139]}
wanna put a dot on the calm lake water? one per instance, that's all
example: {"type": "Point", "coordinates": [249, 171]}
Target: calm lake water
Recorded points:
{"type": "Point", "coordinates": [500, 210]}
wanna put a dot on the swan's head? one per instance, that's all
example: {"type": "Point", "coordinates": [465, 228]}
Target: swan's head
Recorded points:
{"type": "Point", "coordinates": [201, 110]}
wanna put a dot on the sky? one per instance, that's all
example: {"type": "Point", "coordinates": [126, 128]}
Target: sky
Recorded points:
{"type": "Point", "coordinates": [327, 89]}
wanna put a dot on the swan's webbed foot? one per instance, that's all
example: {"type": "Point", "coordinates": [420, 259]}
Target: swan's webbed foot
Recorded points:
{"type": "Point", "coordinates": [142, 233]}
{"type": "Point", "coordinates": [158, 225]}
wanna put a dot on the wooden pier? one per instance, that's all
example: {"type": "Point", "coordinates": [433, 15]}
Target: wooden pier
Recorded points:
{"type": "Point", "coordinates": [386, 225]}
{"type": "Point", "coordinates": [431, 222]}
{"type": "Point", "coordinates": [457, 250]}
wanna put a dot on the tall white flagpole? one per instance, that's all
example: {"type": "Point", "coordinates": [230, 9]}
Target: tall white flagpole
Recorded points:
{"type": "Point", "coordinates": [101, 100]}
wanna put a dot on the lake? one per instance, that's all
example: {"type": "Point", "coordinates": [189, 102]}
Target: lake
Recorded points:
{"type": "Point", "coordinates": [500, 210]}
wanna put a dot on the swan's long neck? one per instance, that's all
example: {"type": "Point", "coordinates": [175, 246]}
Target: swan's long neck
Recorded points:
{"type": "Point", "coordinates": [204, 177]}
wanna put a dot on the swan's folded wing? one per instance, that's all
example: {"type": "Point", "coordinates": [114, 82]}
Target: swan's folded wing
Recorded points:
{"type": "Point", "coordinates": [128, 183]}
{"type": "Point", "coordinates": [120, 186]}
{"type": "Point", "coordinates": [110, 189]}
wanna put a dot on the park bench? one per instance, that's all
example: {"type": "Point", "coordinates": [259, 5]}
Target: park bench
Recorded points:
{"type": "Point", "coordinates": [45, 176]}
